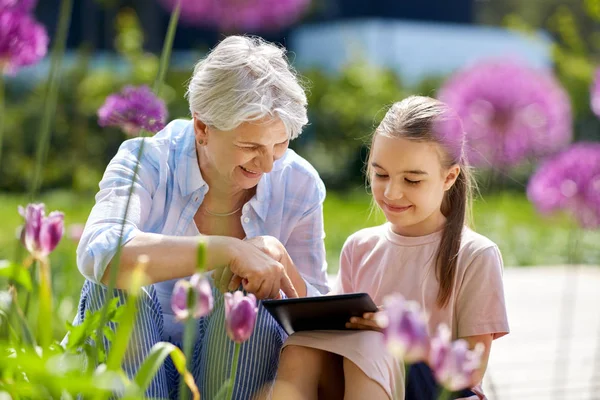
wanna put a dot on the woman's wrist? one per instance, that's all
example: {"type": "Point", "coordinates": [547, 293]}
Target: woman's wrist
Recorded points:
{"type": "Point", "coordinates": [219, 250]}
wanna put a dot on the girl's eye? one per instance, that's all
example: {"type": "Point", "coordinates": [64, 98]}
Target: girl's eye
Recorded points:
{"type": "Point", "coordinates": [380, 175]}
{"type": "Point", "coordinates": [412, 182]}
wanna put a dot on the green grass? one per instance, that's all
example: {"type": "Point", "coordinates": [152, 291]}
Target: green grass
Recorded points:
{"type": "Point", "coordinates": [524, 237]}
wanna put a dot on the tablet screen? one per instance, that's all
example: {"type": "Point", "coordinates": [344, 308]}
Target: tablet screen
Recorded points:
{"type": "Point", "coordinates": [330, 312]}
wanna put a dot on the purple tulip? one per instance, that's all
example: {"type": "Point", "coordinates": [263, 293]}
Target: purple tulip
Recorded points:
{"type": "Point", "coordinates": [570, 181]}
{"type": "Point", "coordinates": [595, 91]}
{"type": "Point", "coordinates": [192, 298]}
{"type": "Point", "coordinates": [204, 297]}
{"type": "Point", "coordinates": [132, 109]}
{"type": "Point", "coordinates": [404, 329]}
{"type": "Point", "coordinates": [510, 112]}
{"type": "Point", "coordinates": [453, 364]}
{"type": "Point", "coordinates": [240, 315]}
{"type": "Point", "coordinates": [23, 41]}
{"type": "Point", "coordinates": [41, 234]}
{"type": "Point", "coordinates": [241, 16]}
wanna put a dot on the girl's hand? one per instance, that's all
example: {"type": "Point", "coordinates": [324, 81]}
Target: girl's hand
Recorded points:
{"type": "Point", "coordinates": [367, 322]}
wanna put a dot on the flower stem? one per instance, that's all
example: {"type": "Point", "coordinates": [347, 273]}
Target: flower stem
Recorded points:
{"type": "Point", "coordinates": [164, 62]}
{"type": "Point", "coordinates": [445, 394]}
{"type": "Point", "coordinates": [166, 50]}
{"type": "Point", "coordinates": [45, 308]}
{"type": "Point", "coordinates": [189, 336]}
{"type": "Point", "coordinates": [2, 114]}
{"type": "Point", "coordinates": [234, 365]}
{"type": "Point", "coordinates": [58, 50]}
{"type": "Point", "coordinates": [567, 315]}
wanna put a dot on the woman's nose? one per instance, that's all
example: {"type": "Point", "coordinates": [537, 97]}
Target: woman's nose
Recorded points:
{"type": "Point", "coordinates": [266, 160]}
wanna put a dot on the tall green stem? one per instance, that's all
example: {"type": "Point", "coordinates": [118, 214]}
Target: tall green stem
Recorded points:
{"type": "Point", "coordinates": [2, 114]}
{"type": "Point", "coordinates": [58, 50]}
{"type": "Point", "coordinates": [234, 365]}
{"type": "Point", "coordinates": [45, 307]}
{"type": "Point", "coordinates": [164, 62]}
{"type": "Point", "coordinates": [565, 329]}
{"type": "Point", "coordinates": [189, 337]}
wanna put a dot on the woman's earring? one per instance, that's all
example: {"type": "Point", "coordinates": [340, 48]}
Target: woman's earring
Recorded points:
{"type": "Point", "coordinates": [200, 142]}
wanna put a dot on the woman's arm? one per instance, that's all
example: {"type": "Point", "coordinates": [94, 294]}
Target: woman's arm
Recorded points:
{"type": "Point", "coordinates": [172, 257]}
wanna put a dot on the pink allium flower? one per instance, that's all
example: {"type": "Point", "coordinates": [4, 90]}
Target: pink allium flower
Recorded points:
{"type": "Point", "coordinates": [198, 291]}
{"type": "Point", "coordinates": [595, 92]}
{"type": "Point", "coordinates": [453, 364]}
{"type": "Point", "coordinates": [75, 232]}
{"type": "Point", "coordinates": [132, 109]}
{"type": "Point", "coordinates": [23, 41]}
{"type": "Point", "coordinates": [241, 15]}
{"type": "Point", "coordinates": [240, 315]}
{"type": "Point", "coordinates": [570, 181]}
{"type": "Point", "coordinates": [42, 233]}
{"type": "Point", "coordinates": [18, 5]}
{"type": "Point", "coordinates": [510, 112]}
{"type": "Point", "coordinates": [404, 329]}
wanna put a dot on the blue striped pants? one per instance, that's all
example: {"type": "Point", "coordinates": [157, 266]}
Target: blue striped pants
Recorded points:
{"type": "Point", "coordinates": [213, 351]}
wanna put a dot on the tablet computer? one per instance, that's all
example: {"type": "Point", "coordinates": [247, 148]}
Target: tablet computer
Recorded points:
{"type": "Point", "coordinates": [329, 312]}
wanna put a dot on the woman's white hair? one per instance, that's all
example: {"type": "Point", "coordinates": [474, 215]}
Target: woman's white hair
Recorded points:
{"type": "Point", "coordinates": [245, 79]}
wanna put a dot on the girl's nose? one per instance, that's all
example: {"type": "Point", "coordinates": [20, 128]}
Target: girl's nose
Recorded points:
{"type": "Point", "coordinates": [393, 191]}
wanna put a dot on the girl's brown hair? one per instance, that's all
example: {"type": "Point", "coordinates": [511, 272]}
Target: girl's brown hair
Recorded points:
{"type": "Point", "coordinates": [425, 119]}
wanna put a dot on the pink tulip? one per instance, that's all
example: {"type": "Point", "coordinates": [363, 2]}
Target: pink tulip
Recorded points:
{"type": "Point", "coordinates": [452, 363]}
{"type": "Point", "coordinates": [42, 234]}
{"type": "Point", "coordinates": [240, 315]}
{"type": "Point", "coordinates": [405, 329]}
{"type": "Point", "coordinates": [192, 298]}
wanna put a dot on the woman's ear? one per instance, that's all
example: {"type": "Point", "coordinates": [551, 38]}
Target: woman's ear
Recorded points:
{"type": "Point", "coordinates": [200, 131]}
{"type": "Point", "coordinates": [451, 176]}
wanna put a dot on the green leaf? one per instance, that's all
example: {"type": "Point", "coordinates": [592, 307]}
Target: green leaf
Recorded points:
{"type": "Point", "coordinates": [17, 273]}
{"type": "Point", "coordinates": [155, 359]}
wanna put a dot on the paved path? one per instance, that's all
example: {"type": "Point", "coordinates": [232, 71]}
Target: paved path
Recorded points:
{"type": "Point", "coordinates": [523, 364]}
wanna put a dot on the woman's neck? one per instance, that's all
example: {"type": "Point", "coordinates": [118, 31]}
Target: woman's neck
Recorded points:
{"type": "Point", "coordinates": [223, 195]}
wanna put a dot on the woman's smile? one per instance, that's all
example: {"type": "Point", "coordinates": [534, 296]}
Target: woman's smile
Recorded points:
{"type": "Point", "coordinates": [249, 173]}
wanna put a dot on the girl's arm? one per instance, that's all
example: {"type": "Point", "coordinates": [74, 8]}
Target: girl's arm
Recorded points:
{"type": "Point", "coordinates": [486, 340]}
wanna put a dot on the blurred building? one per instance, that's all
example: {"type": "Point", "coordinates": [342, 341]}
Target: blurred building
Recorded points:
{"type": "Point", "coordinates": [93, 23]}
{"type": "Point", "coordinates": [415, 38]}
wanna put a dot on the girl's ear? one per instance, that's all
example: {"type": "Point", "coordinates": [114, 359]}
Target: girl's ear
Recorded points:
{"type": "Point", "coordinates": [451, 176]}
{"type": "Point", "coordinates": [200, 131]}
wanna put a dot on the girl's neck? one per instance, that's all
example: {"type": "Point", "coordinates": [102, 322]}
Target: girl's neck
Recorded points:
{"type": "Point", "coordinates": [434, 223]}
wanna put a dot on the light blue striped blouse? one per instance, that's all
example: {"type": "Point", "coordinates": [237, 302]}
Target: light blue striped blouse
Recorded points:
{"type": "Point", "coordinates": [169, 189]}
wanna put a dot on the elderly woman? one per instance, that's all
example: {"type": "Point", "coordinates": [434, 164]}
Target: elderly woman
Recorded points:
{"type": "Point", "coordinates": [226, 178]}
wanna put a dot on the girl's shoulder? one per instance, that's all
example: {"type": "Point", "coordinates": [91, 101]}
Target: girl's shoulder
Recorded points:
{"type": "Point", "coordinates": [474, 246]}
{"type": "Point", "coordinates": [366, 237]}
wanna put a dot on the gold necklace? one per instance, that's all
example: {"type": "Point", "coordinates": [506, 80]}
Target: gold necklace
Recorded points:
{"type": "Point", "coordinates": [221, 214]}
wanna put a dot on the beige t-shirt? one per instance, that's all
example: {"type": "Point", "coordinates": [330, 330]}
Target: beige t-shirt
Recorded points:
{"type": "Point", "coordinates": [380, 262]}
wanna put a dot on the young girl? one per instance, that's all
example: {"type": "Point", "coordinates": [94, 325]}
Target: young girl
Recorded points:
{"type": "Point", "coordinates": [421, 182]}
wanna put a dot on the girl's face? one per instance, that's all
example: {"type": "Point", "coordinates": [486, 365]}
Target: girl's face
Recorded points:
{"type": "Point", "coordinates": [241, 156]}
{"type": "Point", "coordinates": [409, 182]}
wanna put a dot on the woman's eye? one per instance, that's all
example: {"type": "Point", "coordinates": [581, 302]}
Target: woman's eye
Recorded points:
{"type": "Point", "coordinates": [248, 148]}
{"type": "Point", "coordinates": [380, 175]}
{"type": "Point", "coordinates": [412, 182]}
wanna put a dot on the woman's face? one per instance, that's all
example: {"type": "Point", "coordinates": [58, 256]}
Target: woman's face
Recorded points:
{"type": "Point", "coordinates": [241, 156]}
{"type": "Point", "coordinates": [408, 184]}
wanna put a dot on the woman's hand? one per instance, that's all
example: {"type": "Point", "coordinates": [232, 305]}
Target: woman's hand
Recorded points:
{"type": "Point", "coordinates": [256, 268]}
{"type": "Point", "coordinates": [276, 250]}
{"type": "Point", "coordinates": [367, 322]}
